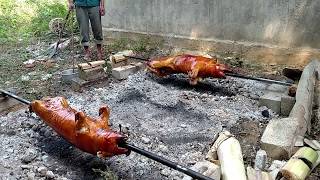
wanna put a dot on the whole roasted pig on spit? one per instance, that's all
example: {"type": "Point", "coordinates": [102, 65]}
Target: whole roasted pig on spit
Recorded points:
{"type": "Point", "coordinates": [92, 135]}
{"type": "Point", "coordinates": [195, 66]}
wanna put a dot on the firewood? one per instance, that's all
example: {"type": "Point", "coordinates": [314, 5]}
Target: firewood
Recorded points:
{"type": "Point", "coordinates": [90, 65]}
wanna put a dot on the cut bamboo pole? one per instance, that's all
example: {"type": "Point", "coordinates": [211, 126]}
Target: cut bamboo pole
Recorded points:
{"type": "Point", "coordinates": [307, 154]}
{"type": "Point", "coordinates": [295, 169]}
{"type": "Point", "coordinates": [230, 157]}
{"type": "Point", "coordinates": [300, 164]}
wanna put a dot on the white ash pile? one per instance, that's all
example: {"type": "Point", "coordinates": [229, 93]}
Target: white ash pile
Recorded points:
{"type": "Point", "coordinates": [165, 116]}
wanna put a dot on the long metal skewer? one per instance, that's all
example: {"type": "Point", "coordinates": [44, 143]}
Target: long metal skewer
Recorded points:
{"type": "Point", "coordinates": [258, 79]}
{"type": "Point", "coordinates": [166, 162]}
{"type": "Point", "coordinates": [133, 148]}
{"type": "Point", "coordinates": [233, 74]}
{"type": "Point", "coordinates": [6, 93]}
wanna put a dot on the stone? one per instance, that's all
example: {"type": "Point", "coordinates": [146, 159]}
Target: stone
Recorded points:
{"type": "Point", "coordinates": [261, 160]}
{"type": "Point", "coordinates": [206, 168]}
{"type": "Point", "coordinates": [31, 176]}
{"type": "Point", "coordinates": [29, 156]}
{"type": "Point", "coordinates": [25, 166]}
{"type": "Point", "coordinates": [265, 113]}
{"type": "Point", "coordinates": [42, 170]}
{"type": "Point", "coordinates": [50, 175]}
{"type": "Point", "coordinates": [287, 104]}
{"type": "Point", "coordinates": [145, 140]}
{"type": "Point", "coordinates": [271, 100]}
{"type": "Point", "coordinates": [166, 172]}
{"type": "Point", "coordinates": [279, 137]}
{"type": "Point", "coordinates": [163, 148]}
{"type": "Point", "coordinates": [123, 72]}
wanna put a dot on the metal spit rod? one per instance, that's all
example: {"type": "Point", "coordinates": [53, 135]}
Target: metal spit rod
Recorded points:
{"type": "Point", "coordinates": [6, 93]}
{"type": "Point", "coordinates": [140, 151]}
{"type": "Point", "coordinates": [234, 75]}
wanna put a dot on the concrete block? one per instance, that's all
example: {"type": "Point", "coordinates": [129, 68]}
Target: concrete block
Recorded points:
{"type": "Point", "coordinates": [279, 138]}
{"type": "Point", "coordinates": [287, 104]}
{"type": "Point", "coordinates": [77, 84]}
{"type": "Point", "coordinates": [92, 74]}
{"type": "Point", "coordinates": [271, 100]}
{"type": "Point", "coordinates": [277, 88]}
{"type": "Point", "coordinates": [124, 71]}
{"type": "Point", "coordinates": [140, 66]}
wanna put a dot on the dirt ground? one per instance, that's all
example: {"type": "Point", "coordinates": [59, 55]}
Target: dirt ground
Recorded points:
{"type": "Point", "coordinates": [165, 116]}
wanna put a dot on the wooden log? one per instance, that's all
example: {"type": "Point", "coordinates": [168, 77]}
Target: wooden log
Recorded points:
{"type": "Point", "coordinates": [231, 160]}
{"type": "Point", "coordinates": [93, 64]}
{"type": "Point", "coordinates": [117, 58]}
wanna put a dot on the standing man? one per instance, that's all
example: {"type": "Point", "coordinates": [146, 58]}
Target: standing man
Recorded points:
{"type": "Point", "coordinates": [89, 10]}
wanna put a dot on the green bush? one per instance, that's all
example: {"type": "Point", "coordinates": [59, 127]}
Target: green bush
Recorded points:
{"type": "Point", "coordinates": [22, 19]}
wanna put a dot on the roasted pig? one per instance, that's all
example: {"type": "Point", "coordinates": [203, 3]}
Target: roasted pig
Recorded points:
{"type": "Point", "coordinates": [195, 66]}
{"type": "Point", "coordinates": [92, 135]}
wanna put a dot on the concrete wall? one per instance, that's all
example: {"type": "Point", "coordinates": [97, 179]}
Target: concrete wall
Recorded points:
{"type": "Point", "coordinates": [281, 22]}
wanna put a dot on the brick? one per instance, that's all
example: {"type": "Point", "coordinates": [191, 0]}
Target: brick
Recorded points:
{"type": "Point", "coordinates": [271, 100]}
{"type": "Point", "coordinates": [77, 83]}
{"type": "Point", "coordinates": [123, 72]}
{"type": "Point", "coordinates": [279, 137]}
{"type": "Point", "coordinates": [287, 104]}
{"type": "Point", "coordinates": [92, 74]}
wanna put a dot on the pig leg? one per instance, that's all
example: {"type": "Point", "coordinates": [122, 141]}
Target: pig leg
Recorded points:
{"type": "Point", "coordinates": [193, 76]}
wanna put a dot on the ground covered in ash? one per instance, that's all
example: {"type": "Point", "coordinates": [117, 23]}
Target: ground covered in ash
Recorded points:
{"type": "Point", "coordinates": [166, 116]}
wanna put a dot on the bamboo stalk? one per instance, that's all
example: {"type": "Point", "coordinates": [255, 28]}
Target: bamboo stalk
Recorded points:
{"type": "Point", "coordinates": [230, 157]}
{"type": "Point", "coordinates": [295, 169]}
{"type": "Point", "coordinates": [300, 164]}
{"type": "Point", "coordinates": [306, 153]}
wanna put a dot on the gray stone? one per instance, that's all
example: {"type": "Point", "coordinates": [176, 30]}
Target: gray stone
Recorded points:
{"type": "Point", "coordinates": [279, 137]}
{"type": "Point", "coordinates": [287, 104]}
{"type": "Point", "coordinates": [50, 175]}
{"type": "Point", "coordinates": [145, 140]}
{"type": "Point", "coordinates": [31, 176]}
{"type": "Point", "coordinates": [261, 160]}
{"type": "Point", "coordinates": [123, 72]}
{"type": "Point", "coordinates": [272, 100]}
{"type": "Point", "coordinates": [166, 172]}
{"type": "Point", "coordinates": [42, 170]}
{"type": "Point", "coordinates": [26, 167]}
{"type": "Point", "coordinates": [29, 156]}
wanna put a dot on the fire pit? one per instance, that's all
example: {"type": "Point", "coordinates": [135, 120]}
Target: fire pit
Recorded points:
{"type": "Point", "coordinates": [166, 116]}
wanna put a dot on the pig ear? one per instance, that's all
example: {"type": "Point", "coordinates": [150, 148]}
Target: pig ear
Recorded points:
{"type": "Point", "coordinates": [81, 124]}
{"type": "Point", "coordinates": [104, 113]}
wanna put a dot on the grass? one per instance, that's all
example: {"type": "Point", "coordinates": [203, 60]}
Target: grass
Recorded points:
{"type": "Point", "coordinates": [21, 20]}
